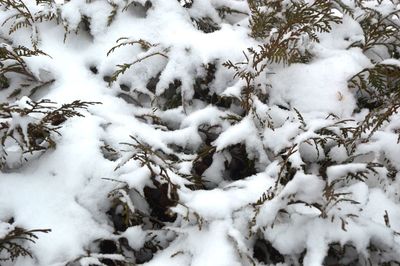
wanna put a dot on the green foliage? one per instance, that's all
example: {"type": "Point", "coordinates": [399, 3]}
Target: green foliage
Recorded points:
{"type": "Point", "coordinates": [12, 61]}
{"type": "Point", "coordinates": [12, 244]}
{"type": "Point", "coordinates": [150, 50]}
{"type": "Point", "coordinates": [249, 76]}
{"type": "Point", "coordinates": [206, 24]}
{"type": "Point", "coordinates": [287, 28]}
{"type": "Point", "coordinates": [33, 125]}
{"type": "Point", "coordinates": [379, 30]}
{"type": "Point", "coordinates": [22, 17]}
{"type": "Point", "coordinates": [159, 164]}
{"type": "Point", "coordinates": [13, 56]}
{"type": "Point", "coordinates": [175, 88]}
{"type": "Point", "coordinates": [378, 89]}
{"type": "Point", "coordinates": [378, 86]}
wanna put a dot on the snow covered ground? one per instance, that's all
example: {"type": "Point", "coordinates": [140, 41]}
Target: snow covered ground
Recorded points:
{"type": "Point", "coordinates": [167, 167]}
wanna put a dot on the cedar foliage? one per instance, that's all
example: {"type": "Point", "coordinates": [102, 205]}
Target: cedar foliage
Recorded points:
{"type": "Point", "coordinates": [34, 126]}
{"type": "Point", "coordinates": [12, 243]}
{"type": "Point", "coordinates": [12, 61]}
{"type": "Point", "coordinates": [288, 27]}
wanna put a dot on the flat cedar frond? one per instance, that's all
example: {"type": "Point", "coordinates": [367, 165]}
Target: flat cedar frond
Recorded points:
{"type": "Point", "coordinates": [373, 121]}
{"type": "Point", "coordinates": [150, 50]}
{"type": "Point", "coordinates": [11, 245]}
{"type": "Point", "coordinates": [287, 26]}
{"type": "Point", "coordinates": [158, 163]}
{"type": "Point", "coordinates": [11, 60]}
{"type": "Point", "coordinates": [379, 30]}
{"type": "Point", "coordinates": [379, 90]}
{"type": "Point", "coordinates": [205, 24]}
{"type": "Point", "coordinates": [33, 127]}
{"type": "Point", "coordinates": [39, 2]}
{"type": "Point", "coordinates": [249, 75]}
{"type": "Point", "coordinates": [22, 18]}
{"type": "Point", "coordinates": [21, 11]}
{"type": "Point", "coordinates": [124, 41]}
{"type": "Point", "coordinates": [225, 10]}
{"type": "Point", "coordinates": [113, 14]}
{"type": "Point", "coordinates": [342, 7]}
{"type": "Point", "coordinates": [382, 81]}
{"type": "Point", "coordinates": [24, 51]}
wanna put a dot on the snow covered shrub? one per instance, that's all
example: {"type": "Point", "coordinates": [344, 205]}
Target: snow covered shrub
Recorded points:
{"type": "Point", "coordinates": [231, 132]}
{"type": "Point", "coordinates": [172, 66]}
{"type": "Point", "coordinates": [320, 171]}
{"type": "Point", "coordinates": [326, 155]}
{"type": "Point", "coordinates": [379, 85]}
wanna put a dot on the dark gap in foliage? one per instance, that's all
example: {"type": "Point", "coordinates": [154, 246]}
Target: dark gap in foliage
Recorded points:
{"type": "Point", "coordinates": [128, 99]}
{"type": "Point", "coordinates": [159, 201]}
{"type": "Point", "coordinates": [107, 78]}
{"type": "Point", "coordinates": [94, 70]}
{"type": "Point", "coordinates": [205, 24]}
{"type": "Point", "coordinates": [240, 166]}
{"type": "Point", "coordinates": [346, 255]}
{"type": "Point", "coordinates": [264, 252]}
{"type": "Point", "coordinates": [125, 87]}
{"type": "Point", "coordinates": [203, 161]}
{"type": "Point", "coordinates": [172, 96]}
{"type": "Point", "coordinates": [152, 83]}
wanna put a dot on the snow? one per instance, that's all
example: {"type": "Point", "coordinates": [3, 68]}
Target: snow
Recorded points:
{"type": "Point", "coordinates": [227, 200]}
{"type": "Point", "coordinates": [5, 228]}
{"type": "Point", "coordinates": [217, 243]}
{"type": "Point", "coordinates": [334, 172]}
{"type": "Point", "coordinates": [150, 166]}
{"type": "Point", "coordinates": [325, 79]}
{"type": "Point", "coordinates": [136, 237]}
{"type": "Point", "coordinates": [236, 134]}
{"type": "Point", "coordinates": [280, 137]}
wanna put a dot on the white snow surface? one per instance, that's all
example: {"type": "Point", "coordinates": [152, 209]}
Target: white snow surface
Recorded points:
{"type": "Point", "coordinates": [67, 189]}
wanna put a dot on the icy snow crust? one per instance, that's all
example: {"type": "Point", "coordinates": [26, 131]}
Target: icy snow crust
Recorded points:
{"type": "Point", "coordinates": [67, 189]}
